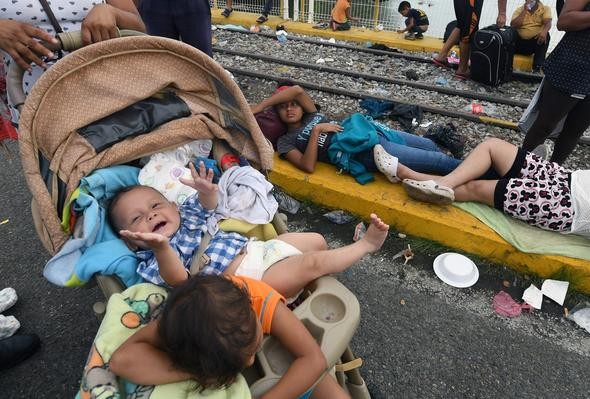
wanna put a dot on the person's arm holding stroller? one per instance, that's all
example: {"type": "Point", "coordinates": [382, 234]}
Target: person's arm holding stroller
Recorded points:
{"type": "Point", "coordinates": [104, 19]}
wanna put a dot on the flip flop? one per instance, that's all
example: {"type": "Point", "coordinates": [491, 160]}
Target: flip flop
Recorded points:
{"type": "Point", "coordinates": [386, 163]}
{"type": "Point", "coordinates": [441, 64]}
{"type": "Point", "coordinates": [461, 76]}
{"type": "Point", "coordinates": [429, 191]}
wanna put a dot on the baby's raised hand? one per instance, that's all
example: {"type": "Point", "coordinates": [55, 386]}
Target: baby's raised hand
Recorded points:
{"type": "Point", "coordinates": [153, 241]}
{"type": "Point", "coordinates": [202, 180]}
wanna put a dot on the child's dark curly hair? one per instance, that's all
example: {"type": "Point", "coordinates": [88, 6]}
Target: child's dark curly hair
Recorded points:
{"type": "Point", "coordinates": [206, 326]}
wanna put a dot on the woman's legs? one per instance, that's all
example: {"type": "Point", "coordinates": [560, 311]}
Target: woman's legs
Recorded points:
{"type": "Point", "coordinates": [577, 121]}
{"type": "Point", "coordinates": [290, 275]}
{"type": "Point", "coordinates": [492, 153]}
{"type": "Point", "coordinates": [552, 107]}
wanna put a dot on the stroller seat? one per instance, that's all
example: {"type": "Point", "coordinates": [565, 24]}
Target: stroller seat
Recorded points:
{"type": "Point", "coordinates": [97, 81]}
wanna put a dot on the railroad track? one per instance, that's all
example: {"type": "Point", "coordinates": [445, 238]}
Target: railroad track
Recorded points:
{"type": "Point", "coordinates": [517, 75]}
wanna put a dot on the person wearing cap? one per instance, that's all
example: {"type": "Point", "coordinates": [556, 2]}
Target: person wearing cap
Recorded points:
{"type": "Point", "coordinates": [532, 22]}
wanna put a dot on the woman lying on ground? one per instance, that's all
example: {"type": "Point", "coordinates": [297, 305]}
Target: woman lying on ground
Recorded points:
{"type": "Point", "coordinates": [539, 192]}
{"type": "Point", "coordinates": [309, 136]}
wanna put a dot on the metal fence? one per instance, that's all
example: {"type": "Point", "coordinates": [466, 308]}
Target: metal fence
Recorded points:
{"type": "Point", "coordinates": [383, 13]}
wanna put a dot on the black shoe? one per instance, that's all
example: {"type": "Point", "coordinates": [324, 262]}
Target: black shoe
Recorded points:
{"type": "Point", "coordinates": [226, 12]}
{"type": "Point", "coordinates": [419, 36]}
{"type": "Point", "coordinates": [17, 348]}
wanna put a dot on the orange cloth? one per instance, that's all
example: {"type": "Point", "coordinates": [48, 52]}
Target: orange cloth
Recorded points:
{"type": "Point", "coordinates": [533, 22]}
{"type": "Point", "coordinates": [264, 300]}
{"type": "Point", "coordinates": [339, 11]}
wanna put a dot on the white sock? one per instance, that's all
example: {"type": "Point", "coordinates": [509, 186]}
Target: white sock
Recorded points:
{"type": "Point", "coordinates": [8, 326]}
{"type": "Point", "coordinates": [8, 298]}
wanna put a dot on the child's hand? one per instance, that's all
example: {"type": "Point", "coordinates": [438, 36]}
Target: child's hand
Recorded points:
{"type": "Point", "coordinates": [153, 241]}
{"type": "Point", "coordinates": [328, 127]}
{"type": "Point", "coordinates": [202, 180]}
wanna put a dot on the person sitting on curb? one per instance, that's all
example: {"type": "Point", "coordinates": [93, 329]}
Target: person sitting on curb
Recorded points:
{"type": "Point", "coordinates": [536, 191]}
{"type": "Point", "coordinates": [532, 22]}
{"type": "Point", "coordinates": [416, 21]}
{"type": "Point", "coordinates": [340, 18]}
{"type": "Point", "coordinates": [228, 8]}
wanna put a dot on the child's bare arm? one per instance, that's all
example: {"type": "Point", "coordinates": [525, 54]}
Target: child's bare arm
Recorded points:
{"type": "Point", "coordinates": [169, 265]}
{"type": "Point", "coordinates": [309, 363]}
{"type": "Point", "coordinates": [202, 181]}
{"type": "Point", "coordinates": [140, 360]}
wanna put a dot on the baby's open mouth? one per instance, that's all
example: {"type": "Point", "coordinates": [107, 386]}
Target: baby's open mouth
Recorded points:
{"type": "Point", "coordinates": [158, 227]}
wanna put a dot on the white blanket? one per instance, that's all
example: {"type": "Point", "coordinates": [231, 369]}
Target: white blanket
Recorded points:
{"type": "Point", "coordinates": [245, 194]}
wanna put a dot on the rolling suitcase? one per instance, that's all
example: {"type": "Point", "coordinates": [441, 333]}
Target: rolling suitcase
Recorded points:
{"type": "Point", "coordinates": [492, 53]}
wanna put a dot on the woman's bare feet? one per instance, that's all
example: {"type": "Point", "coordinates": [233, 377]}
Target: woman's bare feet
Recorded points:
{"type": "Point", "coordinates": [376, 234]}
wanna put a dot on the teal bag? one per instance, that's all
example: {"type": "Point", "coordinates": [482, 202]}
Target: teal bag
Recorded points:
{"type": "Point", "coordinates": [360, 133]}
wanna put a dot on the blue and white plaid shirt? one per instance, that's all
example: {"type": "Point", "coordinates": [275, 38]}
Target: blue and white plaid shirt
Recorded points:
{"type": "Point", "coordinates": [222, 248]}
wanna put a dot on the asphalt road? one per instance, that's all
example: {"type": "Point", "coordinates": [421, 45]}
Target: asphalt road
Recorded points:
{"type": "Point", "coordinates": [418, 337]}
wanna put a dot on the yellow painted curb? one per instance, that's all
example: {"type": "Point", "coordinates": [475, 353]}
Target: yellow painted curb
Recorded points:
{"type": "Point", "coordinates": [447, 225]}
{"type": "Point", "coordinates": [390, 39]}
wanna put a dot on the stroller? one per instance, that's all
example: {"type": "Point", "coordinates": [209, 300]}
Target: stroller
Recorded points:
{"type": "Point", "coordinates": [187, 96]}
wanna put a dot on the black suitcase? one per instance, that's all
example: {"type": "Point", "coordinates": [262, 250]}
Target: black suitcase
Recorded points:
{"type": "Point", "coordinates": [492, 54]}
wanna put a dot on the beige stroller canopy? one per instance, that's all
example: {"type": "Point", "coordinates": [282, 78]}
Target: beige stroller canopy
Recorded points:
{"type": "Point", "coordinates": [99, 80]}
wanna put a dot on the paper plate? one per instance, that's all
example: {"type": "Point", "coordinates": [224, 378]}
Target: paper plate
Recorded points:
{"type": "Point", "coordinates": [456, 270]}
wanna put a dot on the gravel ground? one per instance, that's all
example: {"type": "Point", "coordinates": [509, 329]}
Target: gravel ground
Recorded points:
{"type": "Point", "coordinates": [339, 107]}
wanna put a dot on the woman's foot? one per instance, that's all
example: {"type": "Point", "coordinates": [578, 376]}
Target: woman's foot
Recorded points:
{"type": "Point", "coordinates": [227, 12]}
{"type": "Point", "coordinates": [429, 191]}
{"type": "Point", "coordinates": [376, 233]}
{"type": "Point", "coordinates": [440, 63]}
{"type": "Point", "coordinates": [386, 163]}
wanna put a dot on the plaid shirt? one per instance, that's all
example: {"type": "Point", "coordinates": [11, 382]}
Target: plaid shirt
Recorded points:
{"type": "Point", "coordinates": [222, 248]}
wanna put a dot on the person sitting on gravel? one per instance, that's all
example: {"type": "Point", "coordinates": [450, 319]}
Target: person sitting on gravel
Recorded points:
{"type": "Point", "coordinates": [416, 21]}
{"type": "Point", "coordinates": [536, 191]}
{"type": "Point", "coordinates": [309, 136]}
{"type": "Point", "coordinates": [340, 15]}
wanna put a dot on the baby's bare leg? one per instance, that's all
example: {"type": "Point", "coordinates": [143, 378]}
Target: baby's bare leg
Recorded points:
{"type": "Point", "coordinates": [305, 242]}
{"type": "Point", "coordinates": [290, 275]}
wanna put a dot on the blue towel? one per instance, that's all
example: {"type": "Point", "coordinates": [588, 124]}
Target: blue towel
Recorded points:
{"type": "Point", "coordinates": [95, 248]}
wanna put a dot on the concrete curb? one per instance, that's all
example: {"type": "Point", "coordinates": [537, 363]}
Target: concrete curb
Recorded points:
{"type": "Point", "coordinates": [447, 225]}
{"type": "Point", "coordinates": [390, 39]}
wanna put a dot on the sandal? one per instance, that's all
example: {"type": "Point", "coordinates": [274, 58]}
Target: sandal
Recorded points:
{"type": "Point", "coordinates": [442, 64]}
{"type": "Point", "coordinates": [429, 191]}
{"type": "Point", "coordinates": [227, 12]}
{"type": "Point", "coordinates": [461, 76]}
{"type": "Point", "coordinates": [262, 19]}
{"type": "Point", "coordinates": [386, 163]}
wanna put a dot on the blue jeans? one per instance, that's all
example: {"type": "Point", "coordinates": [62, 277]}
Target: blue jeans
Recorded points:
{"type": "Point", "coordinates": [418, 154]}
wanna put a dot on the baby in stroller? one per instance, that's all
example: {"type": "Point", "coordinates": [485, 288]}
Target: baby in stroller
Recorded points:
{"type": "Point", "coordinates": [164, 236]}
{"type": "Point", "coordinates": [231, 314]}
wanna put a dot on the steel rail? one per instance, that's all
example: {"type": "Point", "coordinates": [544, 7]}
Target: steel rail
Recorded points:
{"type": "Point", "coordinates": [427, 108]}
{"type": "Point", "coordinates": [519, 75]}
{"type": "Point", "coordinates": [401, 82]}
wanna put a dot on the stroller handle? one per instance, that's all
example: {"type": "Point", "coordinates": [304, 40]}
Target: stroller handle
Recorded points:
{"type": "Point", "coordinates": [67, 41]}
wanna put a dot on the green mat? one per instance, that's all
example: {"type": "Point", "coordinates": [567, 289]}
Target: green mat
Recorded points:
{"type": "Point", "coordinates": [527, 238]}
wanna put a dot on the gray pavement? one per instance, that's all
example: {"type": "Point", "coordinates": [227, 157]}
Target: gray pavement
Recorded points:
{"type": "Point", "coordinates": [419, 338]}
